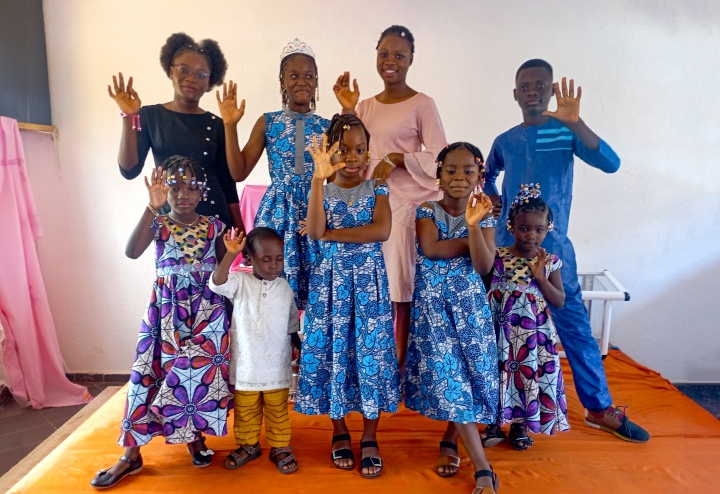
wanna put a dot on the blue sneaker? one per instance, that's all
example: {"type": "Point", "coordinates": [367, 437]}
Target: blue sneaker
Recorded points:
{"type": "Point", "coordinates": [614, 421]}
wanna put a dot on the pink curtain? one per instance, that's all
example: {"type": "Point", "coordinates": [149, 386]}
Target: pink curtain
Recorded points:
{"type": "Point", "coordinates": [250, 199]}
{"type": "Point", "coordinates": [31, 354]}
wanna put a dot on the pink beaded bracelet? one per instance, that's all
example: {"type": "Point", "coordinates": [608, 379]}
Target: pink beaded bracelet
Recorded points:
{"type": "Point", "coordinates": [135, 119]}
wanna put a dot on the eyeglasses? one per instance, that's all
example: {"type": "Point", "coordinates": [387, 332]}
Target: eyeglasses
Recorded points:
{"type": "Point", "coordinates": [539, 86]}
{"type": "Point", "coordinates": [185, 70]}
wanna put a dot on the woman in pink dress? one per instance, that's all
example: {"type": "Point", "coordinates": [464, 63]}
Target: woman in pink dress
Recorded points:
{"type": "Point", "coordinates": [407, 134]}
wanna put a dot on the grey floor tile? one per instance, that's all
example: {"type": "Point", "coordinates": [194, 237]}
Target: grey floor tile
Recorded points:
{"type": "Point", "coordinates": [12, 457]}
{"type": "Point", "coordinates": [12, 409]}
{"type": "Point", "coordinates": [25, 437]}
{"type": "Point", "coordinates": [61, 413]}
{"type": "Point", "coordinates": [22, 422]}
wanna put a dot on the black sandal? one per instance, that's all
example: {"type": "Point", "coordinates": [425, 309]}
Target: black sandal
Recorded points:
{"type": "Point", "coordinates": [487, 490]}
{"type": "Point", "coordinates": [446, 461]}
{"type": "Point", "coordinates": [370, 461]}
{"type": "Point", "coordinates": [342, 453]}
{"type": "Point", "coordinates": [105, 480]}
{"type": "Point", "coordinates": [492, 436]}
{"type": "Point", "coordinates": [519, 437]}
{"type": "Point", "coordinates": [201, 458]}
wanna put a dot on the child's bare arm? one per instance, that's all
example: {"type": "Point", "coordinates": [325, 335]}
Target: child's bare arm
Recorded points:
{"type": "Point", "coordinates": [432, 247]}
{"type": "Point", "coordinates": [143, 234]}
{"type": "Point", "coordinates": [240, 162]}
{"type": "Point", "coordinates": [481, 240]}
{"type": "Point", "coordinates": [551, 287]}
{"type": "Point", "coordinates": [234, 243]}
{"type": "Point", "coordinates": [377, 231]}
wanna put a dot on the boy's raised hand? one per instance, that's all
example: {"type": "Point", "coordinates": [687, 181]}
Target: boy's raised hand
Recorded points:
{"type": "Point", "coordinates": [229, 110]}
{"type": "Point", "coordinates": [321, 157]}
{"type": "Point", "coordinates": [347, 98]}
{"type": "Point", "coordinates": [568, 105]}
{"type": "Point", "coordinates": [234, 241]}
{"type": "Point", "coordinates": [537, 266]}
{"type": "Point", "coordinates": [481, 209]}
{"type": "Point", "coordinates": [125, 97]}
{"type": "Point", "coordinates": [157, 188]}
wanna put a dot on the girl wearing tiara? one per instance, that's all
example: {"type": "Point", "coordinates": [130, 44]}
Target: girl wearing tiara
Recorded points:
{"type": "Point", "coordinates": [525, 279]}
{"type": "Point", "coordinates": [451, 374]}
{"type": "Point", "coordinates": [348, 354]}
{"type": "Point", "coordinates": [291, 167]}
{"type": "Point", "coordinates": [178, 383]}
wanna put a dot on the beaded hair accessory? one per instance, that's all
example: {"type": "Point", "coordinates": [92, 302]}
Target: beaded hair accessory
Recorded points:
{"type": "Point", "coordinates": [173, 180]}
{"type": "Point", "coordinates": [297, 47]}
{"type": "Point", "coordinates": [527, 192]}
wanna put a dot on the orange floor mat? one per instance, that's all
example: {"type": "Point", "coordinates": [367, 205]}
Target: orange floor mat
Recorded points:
{"type": "Point", "coordinates": [679, 457]}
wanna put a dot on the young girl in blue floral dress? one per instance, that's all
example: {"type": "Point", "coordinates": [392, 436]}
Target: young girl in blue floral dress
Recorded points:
{"type": "Point", "coordinates": [451, 372]}
{"type": "Point", "coordinates": [284, 204]}
{"type": "Point", "coordinates": [348, 358]}
{"type": "Point", "coordinates": [525, 280]}
{"type": "Point", "coordinates": [178, 383]}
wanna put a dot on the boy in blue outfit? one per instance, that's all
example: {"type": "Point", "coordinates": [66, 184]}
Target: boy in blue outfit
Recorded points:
{"type": "Point", "coordinates": [541, 150]}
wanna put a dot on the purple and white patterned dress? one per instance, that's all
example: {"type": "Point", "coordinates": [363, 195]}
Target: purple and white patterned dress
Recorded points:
{"type": "Point", "coordinates": [179, 381]}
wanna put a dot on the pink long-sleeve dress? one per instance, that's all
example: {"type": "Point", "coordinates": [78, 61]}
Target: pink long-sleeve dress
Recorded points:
{"type": "Point", "coordinates": [412, 127]}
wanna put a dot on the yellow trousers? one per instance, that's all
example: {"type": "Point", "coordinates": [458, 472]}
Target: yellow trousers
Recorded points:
{"type": "Point", "coordinates": [251, 406]}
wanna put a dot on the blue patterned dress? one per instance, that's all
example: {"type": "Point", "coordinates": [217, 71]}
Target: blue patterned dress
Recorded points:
{"type": "Point", "coordinates": [348, 358]}
{"type": "Point", "coordinates": [285, 202]}
{"type": "Point", "coordinates": [179, 381]}
{"type": "Point", "coordinates": [451, 372]}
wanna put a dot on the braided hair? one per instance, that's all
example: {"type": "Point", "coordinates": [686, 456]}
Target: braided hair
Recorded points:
{"type": "Point", "coordinates": [477, 154]}
{"type": "Point", "coordinates": [179, 43]}
{"type": "Point", "coordinates": [401, 32]}
{"type": "Point", "coordinates": [340, 123]}
{"type": "Point", "coordinates": [531, 205]}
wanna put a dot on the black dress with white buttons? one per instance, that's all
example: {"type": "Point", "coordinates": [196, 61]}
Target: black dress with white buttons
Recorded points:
{"type": "Point", "coordinates": [197, 136]}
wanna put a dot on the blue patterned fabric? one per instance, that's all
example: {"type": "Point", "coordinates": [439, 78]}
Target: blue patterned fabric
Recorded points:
{"type": "Point", "coordinates": [285, 202]}
{"type": "Point", "coordinates": [451, 372]}
{"type": "Point", "coordinates": [348, 360]}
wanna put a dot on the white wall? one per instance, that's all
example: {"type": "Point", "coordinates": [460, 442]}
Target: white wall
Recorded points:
{"type": "Point", "coordinates": [649, 73]}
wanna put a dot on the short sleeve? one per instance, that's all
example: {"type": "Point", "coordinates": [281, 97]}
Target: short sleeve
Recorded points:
{"type": "Point", "coordinates": [381, 188]}
{"type": "Point", "coordinates": [554, 264]}
{"type": "Point", "coordinates": [229, 288]}
{"type": "Point", "coordinates": [489, 222]}
{"type": "Point", "coordinates": [219, 228]}
{"type": "Point", "coordinates": [423, 212]}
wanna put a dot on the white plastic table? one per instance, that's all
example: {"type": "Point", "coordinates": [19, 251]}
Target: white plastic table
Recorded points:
{"type": "Point", "coordinates": [604, 288]}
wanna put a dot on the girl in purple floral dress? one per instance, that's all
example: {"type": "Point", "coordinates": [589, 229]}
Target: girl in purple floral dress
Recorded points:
{"type": "Point", "coordinates": [179, 381]}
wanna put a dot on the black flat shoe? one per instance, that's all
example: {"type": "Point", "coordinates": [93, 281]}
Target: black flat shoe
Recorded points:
{"type": "Point", "coordinates": [105, 480]}
{"type": "Point", "coordinates": [202, 458]}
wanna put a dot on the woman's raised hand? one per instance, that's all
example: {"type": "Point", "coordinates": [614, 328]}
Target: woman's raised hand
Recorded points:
{"type": "Point", "coordinates": [347, 98]}
{"type": "Point", "coordinates": [234, 241]}
{"type": "Point", "coordinates": [321, 157]}
{"type": "Point", "coordinates": [157, 188]}
{"type": "Point", "coordinates": [125, 97]}
{"type": "Point", "coordinates": [229, 110]}
{"type": "Point", "coordinates": [481, 209]}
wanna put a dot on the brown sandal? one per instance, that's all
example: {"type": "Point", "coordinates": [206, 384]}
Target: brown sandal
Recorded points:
{"type": "Point", "coordinates": [242, 455]}
{"type": "Point", "coordinates": [282, 462]}
{"type": "Point", "coordinates": [445, 461]}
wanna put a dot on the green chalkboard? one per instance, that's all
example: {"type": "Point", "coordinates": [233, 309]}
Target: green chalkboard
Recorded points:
{"type": "Point", "coordinates": [24, 88]}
